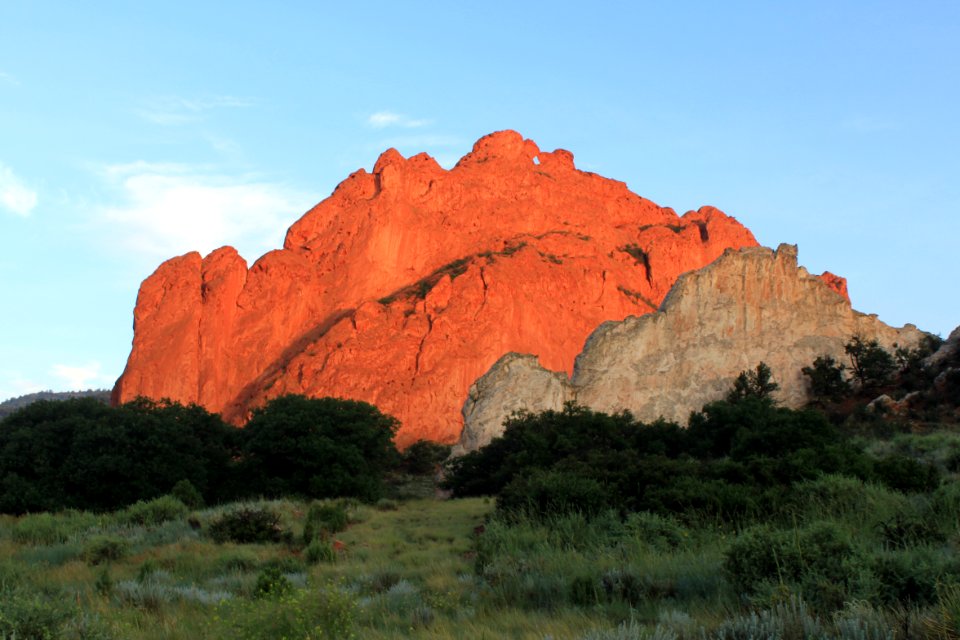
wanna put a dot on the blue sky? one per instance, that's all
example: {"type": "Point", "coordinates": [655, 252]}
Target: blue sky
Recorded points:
{"type": "Point", "coordinates": [133, 132]}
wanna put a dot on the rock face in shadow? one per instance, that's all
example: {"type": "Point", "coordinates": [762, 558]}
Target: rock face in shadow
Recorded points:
{"type": "Point", "coordinates": [749, 306]}
{"type": "Point", "coordinates": [408, 283]}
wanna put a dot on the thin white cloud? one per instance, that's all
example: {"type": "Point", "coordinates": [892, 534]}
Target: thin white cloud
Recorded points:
{"type": "Point", "coordinates": [175, 110]}
{"type": "Point", "coordinates": [169, 209]}
{"type": "Point", "coordinates": [81, 377]}
{"type": "Point", "coordinates": [9, 78]}
{"type": "Point", "coordinates": [15, 196]}
{"type": "Point", "coordinates": [383, 119]}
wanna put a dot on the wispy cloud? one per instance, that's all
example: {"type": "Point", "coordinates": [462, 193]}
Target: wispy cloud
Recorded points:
{"type": "Point", "coordinates": [15, 196]}
{"type": "Point", "coordinates": [383, 119]}
{"type": "Point", "coordinates": [80, 377]}
{"type": "Point", "coordinates": [168, 209]}
{"type": "Point", "coordinates": [174, 110]}
{"type": "Point", "coordinates": [9, 78]}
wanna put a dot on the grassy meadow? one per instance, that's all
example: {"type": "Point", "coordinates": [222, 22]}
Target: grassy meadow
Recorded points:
{"type": "Point", "coordinates": [844, 559]}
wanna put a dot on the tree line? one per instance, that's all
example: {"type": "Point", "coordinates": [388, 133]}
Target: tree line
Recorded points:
{"type": "Point", "coordinates": [83, 454]}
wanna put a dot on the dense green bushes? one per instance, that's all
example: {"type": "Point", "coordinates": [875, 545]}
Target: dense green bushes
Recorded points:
{"type": "Point", "coordinates": [82, 454]}
{"type": "Point", "coordinates": [319, 448]}
{"type": "Point", "coordinates": [735, 461]}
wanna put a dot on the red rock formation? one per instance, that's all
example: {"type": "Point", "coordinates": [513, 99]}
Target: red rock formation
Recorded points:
{"type": "Point", "coordinates": [408, 283]}
{"type": "Point", "coordinates": [837, 283]}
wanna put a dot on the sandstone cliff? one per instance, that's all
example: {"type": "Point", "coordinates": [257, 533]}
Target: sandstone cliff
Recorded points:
{"type": "Point", "coordinates": [408, 283]}
{"type": "Point", "coordinates": [748, 306]}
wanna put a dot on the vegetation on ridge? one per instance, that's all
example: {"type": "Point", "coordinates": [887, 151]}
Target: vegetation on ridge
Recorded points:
{"type": "Point", "coordinates": [755, 522]}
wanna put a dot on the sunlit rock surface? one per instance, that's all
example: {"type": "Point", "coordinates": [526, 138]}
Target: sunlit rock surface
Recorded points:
{"type": "Point", "coordinates": [408, 283]}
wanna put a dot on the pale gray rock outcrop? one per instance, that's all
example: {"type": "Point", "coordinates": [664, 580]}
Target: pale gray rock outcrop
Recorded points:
{"type": "Point", "coordinates": [748, 306]}
{"type": "Point", "coordinates": [489, 404]}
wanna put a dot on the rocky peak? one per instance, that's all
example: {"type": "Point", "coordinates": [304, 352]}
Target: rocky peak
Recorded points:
{"type": "Point", "coordinates": [409, 282]}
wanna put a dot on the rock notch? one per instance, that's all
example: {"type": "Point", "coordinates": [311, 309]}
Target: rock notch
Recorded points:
{"type": "Point", "coordinates": [748, 306]}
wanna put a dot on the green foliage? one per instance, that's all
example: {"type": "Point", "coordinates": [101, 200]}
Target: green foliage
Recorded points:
{"type": "Point", "coordinates": [546, 493]}
{"type": "Point", "coordinates": [104, 549]}
{"type": "Point", "coordinates": [185, 492]}
{"type": "Point", "coordinates": [574, 437]}
{"type": "Point", "coordinates": [734, 462]}
{"type": "Point", "coordinates": [32, 615]}
{"type": "Point", "coordinates": [320, 551]}
{"type": "Point", "coordinates": [913, 373]}
{"type": "Point", "coordinates": [323, 520]}
{"type": "Point", "coordinates": [755, 385]}
{"type": "Point", "coordinates": [83, 454]}
{"type": "Point", "coordinates": [663, 533]}
{"type": "Point", "coordinates": [104, 582]}
{"type": "Point", "coordinates": [319, 447]}
{"type": "Point", "coordinates": [423, 457]}
{"type": "Point", "coordinates": [272, 583]}
{"type": "Point", "coordinates": [48, 529]}
{"type": "Point", "coordinates": [817, 559]}
{"type": "Point", "coordinates": [827, 380]}
{"type": "Point", "coordinates": [246, 525]}
{"type": "Point", "coordinates": [153, 512]}
{"type": "Point", "coordinates": [298, 613]}
{"type": "Point", "coordinates": [872, 365]}
{"type": "Point", "coordinates": [906, 577]}
{"type": "Point", "coordinates": [906, 474]}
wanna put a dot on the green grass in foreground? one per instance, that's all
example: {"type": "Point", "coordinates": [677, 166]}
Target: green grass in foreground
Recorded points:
{"type": "Point", "coordinates": [842, 559]}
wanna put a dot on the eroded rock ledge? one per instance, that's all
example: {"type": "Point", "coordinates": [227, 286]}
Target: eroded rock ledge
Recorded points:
{"type": "Point", "coordinates": [748, 306]}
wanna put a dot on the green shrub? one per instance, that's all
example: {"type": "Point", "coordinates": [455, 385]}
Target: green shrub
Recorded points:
{"type": "Point", "coordinates": [185, 492]}
{"type": "Point", "coordinates": [319, 447]}
{"type": "Point", "coordinates": [323, 520]}
{"type": "Point", "coordinates": [585, 591]}
{"type": "Point", "coordinates": [851, 500]}
{"type": "Point", "coordinates": [550, 493]}
{"type": "Point", "coordinates": [910, 530]}
{"type": "Point", "coordinates": [423, 457]}
{"type": "Point", "coordinates": [906, 474]}
{"type": "Point", "coordinates": [386, 504]}
{"type": "Point", "coordinates": [239, 560]}
{"type": "Point", "coordinates": [907, 577]}
{"type": "Point", "coordinates": [811, 557]}
{"type": "Point", "coordinates": [49, 529]}
{"type": "Point", "coordinates": [153, 512]}
{"type": "Point", "coordinates": [246, 525]}
{"type": "Point", "coordinates": [271, 583]}
{"type": "Point", "coordinates": [101, 549]}
{"type": "Point", "coordinates": [625, 585]}
{"type": "Point", "coordinates": [104, 583]}
{"type": "Point", "coordinates": [31, 615]}
{"type": "Point", "coordinates": [320, 551]}
{"type": "Point", "coordinates": [299, 613]}
{"type": "Point", "coordinates": [662, 533]}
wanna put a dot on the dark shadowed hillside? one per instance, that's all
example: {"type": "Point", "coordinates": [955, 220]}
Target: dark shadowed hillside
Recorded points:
{"type": "Point", "coordinates": [9, 406]}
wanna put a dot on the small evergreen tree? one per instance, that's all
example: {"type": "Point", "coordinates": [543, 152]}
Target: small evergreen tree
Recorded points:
{"type": "Point", "coordinates": [756, 384]}
{"type": "Point", "coordinates": [827, 380]}
{"type": "Point", "coordinates": [871, 364]}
